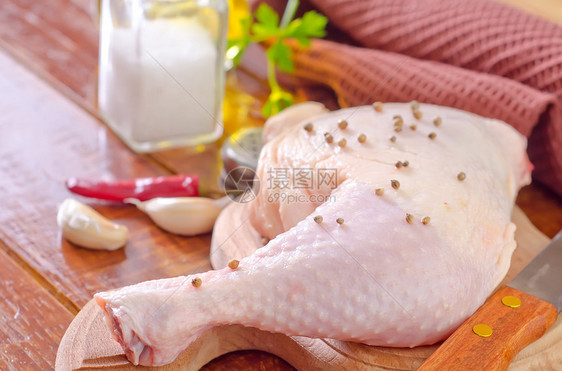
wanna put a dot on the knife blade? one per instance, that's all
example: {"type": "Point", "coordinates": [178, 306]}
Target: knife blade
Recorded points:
{"type": "Point", "coordinates": [509, 320]}
{"type": "Point", "coordinates": [542, 277]}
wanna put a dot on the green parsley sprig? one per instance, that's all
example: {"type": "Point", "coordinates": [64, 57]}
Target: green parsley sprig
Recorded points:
{"type": "Point", "coordinates": [269, 30]}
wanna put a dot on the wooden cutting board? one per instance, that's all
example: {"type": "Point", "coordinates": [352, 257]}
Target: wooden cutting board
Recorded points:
{"type": "Point", "coordinates": [88, 344]}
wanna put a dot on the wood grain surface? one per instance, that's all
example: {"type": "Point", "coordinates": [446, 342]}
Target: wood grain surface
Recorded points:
{"type": "Point", "coordinates": [32, 322]}
{"type": "Point", "coordinates": [57, 39]}
{"type": "Point", "coordinates": [46, 139]}
{"type": "Point", "coordinates": [543, 207]}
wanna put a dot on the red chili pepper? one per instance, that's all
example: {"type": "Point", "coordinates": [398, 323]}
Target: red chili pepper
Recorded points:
{"type": "Point", "coordinates": [141, 188]}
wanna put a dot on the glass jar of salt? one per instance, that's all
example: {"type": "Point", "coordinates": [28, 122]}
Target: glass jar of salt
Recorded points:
{"type": "Point", "coordinates": [161, 71]}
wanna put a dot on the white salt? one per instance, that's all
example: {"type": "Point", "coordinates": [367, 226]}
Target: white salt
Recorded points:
{"type": "Point", "coordinates": [160, 84]}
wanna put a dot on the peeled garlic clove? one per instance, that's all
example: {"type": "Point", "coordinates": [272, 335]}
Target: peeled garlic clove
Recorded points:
{"type": "Point", "coordinates": [85, 227]}
{"type": "Point", "coordinates": [187, 216]}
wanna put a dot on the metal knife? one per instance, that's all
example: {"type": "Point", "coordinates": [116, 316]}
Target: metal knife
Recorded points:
{"type": "Point", "coordinates": [509, 320]}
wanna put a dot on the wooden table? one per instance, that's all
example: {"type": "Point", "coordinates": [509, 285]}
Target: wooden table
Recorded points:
{"type": "Point", "coordinates": [49, 132]}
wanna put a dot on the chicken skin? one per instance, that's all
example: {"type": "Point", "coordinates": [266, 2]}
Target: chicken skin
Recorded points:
{"type": "Point", "coordinates": [403, 241]}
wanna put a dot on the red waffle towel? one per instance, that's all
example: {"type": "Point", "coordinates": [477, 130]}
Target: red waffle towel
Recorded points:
{"type": "Point", "coordinates": [475, 55]}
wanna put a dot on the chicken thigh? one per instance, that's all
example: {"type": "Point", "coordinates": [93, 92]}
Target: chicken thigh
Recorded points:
{"type": "Point", "coordinates": [401, 256]}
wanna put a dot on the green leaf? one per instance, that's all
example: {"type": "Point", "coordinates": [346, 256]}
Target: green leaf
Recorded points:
{"type": "Point", "coordinates": [267, 24]}
{"type": "Point", "coordinates": [261, 32]}
{"type": "Point", "coordinates": [267, 17]}
{"type": "Point", "coordinates": [281, 54]}
{"type": "Point", "coordinates": [313, 24]}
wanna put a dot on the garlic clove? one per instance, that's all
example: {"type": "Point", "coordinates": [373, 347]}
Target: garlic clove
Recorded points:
{"type": "Point", "coordinates": [187, 216]}
{"type": "Point", "coordinates": [85, 227]}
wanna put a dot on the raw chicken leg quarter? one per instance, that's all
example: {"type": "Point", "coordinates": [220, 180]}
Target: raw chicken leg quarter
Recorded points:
{"type": "Point", "coordinates": [424, 237]}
